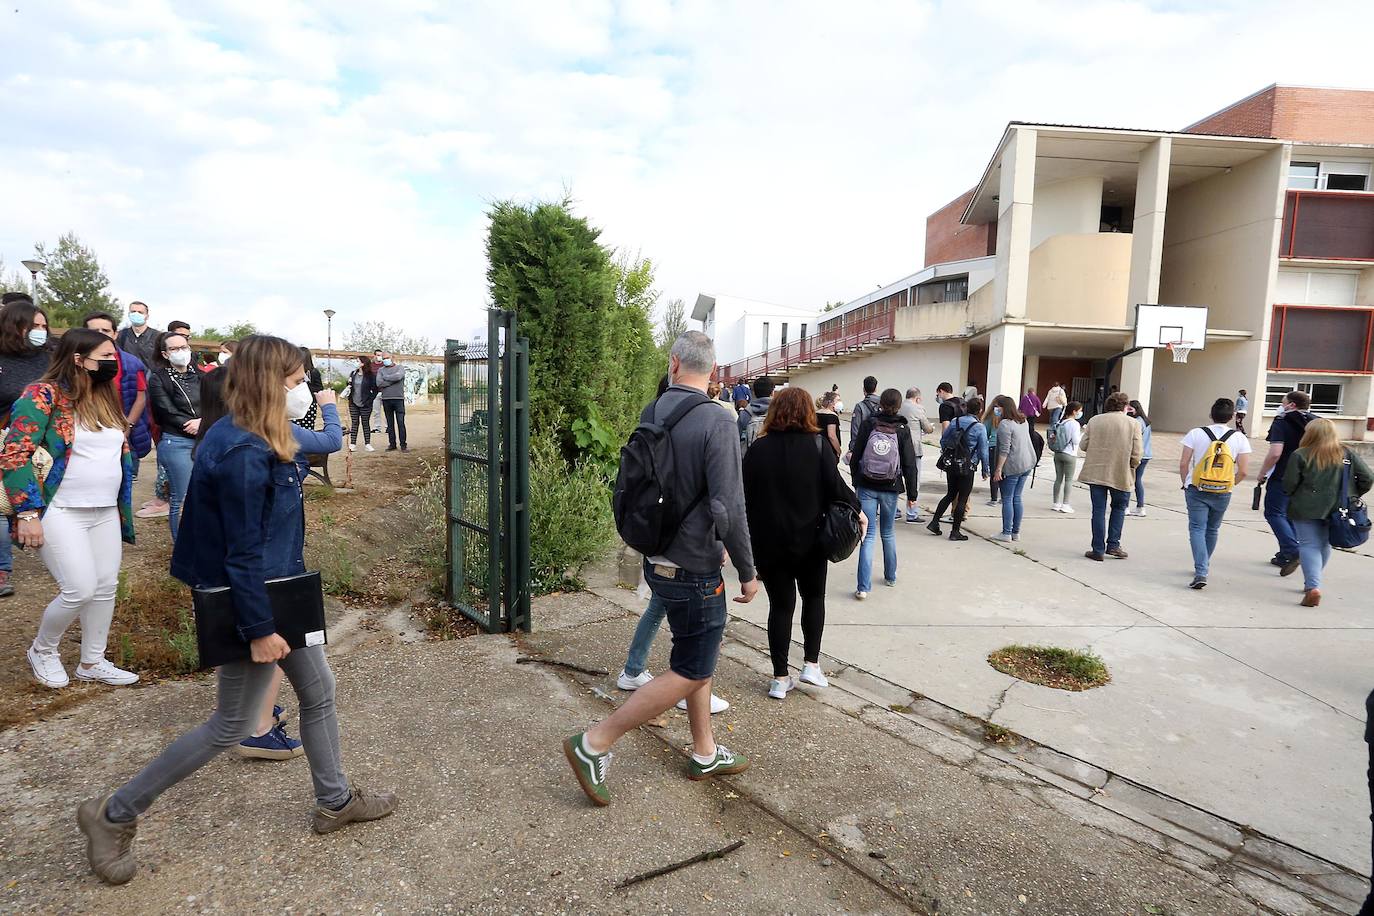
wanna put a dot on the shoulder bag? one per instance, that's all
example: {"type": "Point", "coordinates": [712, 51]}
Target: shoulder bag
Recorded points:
{"type": "Point", "coordinates": [1348, 523]}
{"type": "Point", "coordinates": [839, 523]}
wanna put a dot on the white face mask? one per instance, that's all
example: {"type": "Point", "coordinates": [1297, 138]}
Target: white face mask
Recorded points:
{"type": "Point", "coordinates": [179, 358]}
{"type": "Point", "coordinates": [298, 401]}
{"type": "Point", "coordinates": [223, 358]}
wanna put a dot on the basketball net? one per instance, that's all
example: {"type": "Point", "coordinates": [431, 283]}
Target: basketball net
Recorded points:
{"type": "Point", "coordinates": [1180, 350]}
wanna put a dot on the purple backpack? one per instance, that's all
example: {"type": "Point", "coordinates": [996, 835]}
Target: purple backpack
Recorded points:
{"type": "Point", "coordinates": [881, 459]}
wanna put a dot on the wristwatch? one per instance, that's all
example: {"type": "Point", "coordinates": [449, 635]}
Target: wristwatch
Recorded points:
{"type": "Point", "coordinates": [29, 516]}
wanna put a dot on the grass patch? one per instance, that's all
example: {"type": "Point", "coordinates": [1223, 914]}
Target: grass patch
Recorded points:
{"type": "Point", "coordinates": [153, 631]}
{"type": "Point", "coordinates": [321, 492]}
{"type": "Point", "coordinates": [1050, 666]}
{"type": "Point", "coordinates": [182, 642]}
{"type": "Point", "coordinates": [996, 734]}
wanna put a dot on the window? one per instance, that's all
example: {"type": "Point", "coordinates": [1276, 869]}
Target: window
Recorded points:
{"type": "Point", "coordinates": [1303, 174]}
{"type": "Point", "coordinates": [1326, 396]}
{"type": "Point", "coordinates": [802, 335]}
{"type": "Point", "coordinates": [954, 289]}
{"type": "Point", "coordinates": [765, 336]}
{"type": "Point", "coordinates": [1318, 287]}
{"type": "Point", "coordinates": [1329, 176]}
{"type": "Point", "coordinates": [783, 342]}
{"type": "Point", "coordinates": [1337, 181]}
{"type": "Point", "coordinates": [1328, 339]}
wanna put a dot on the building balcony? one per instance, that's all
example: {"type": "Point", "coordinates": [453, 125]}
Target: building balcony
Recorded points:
{"type": "Point", "coordinates": [867, 333]}
{"type": "Point", "coordinates": [1328, 225]}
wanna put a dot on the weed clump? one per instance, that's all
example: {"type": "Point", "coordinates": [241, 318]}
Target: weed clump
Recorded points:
{"type": "Point", "coordinates": [1051, 666]}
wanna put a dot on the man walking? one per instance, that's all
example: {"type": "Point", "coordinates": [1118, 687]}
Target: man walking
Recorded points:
{"type": "Point", "coordinates": [1214, 460]}
{"type": "Point", "coordinates": [1055, 402]}
{"type": "Point", "coordinates": [1285, 433]}
{"type": "Point", "coordinates": [686, 577]}
{"type": "Point", "coordinates": [1242, 407]}
{"type": "Point", "coordinates": [391, 391]}
{"type": "Point", "coordinates": [864, 409]}
{"type": "Point", "coordinates": [1112, 447]}
{"type": "Point", "coordinates": [915, 413]}
{"type": "Point", "coordinates": [950, 406]}
{"type": "Point", "coordinates": [1030, 407]}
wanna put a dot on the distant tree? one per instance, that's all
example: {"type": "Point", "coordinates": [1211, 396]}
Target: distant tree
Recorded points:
{"type": "Point", "coordinates": [73, 283]}
{"type": "Point", "coordinates": [831, 306]}
{"type": "Point", "coordinates": [367, 336]}
{"type": "Point", "coordinates": [236, 331]}
{"type": "Point", "coordinates": [674, 323]}
{"type": "Point", "coordinates": [17, 282]}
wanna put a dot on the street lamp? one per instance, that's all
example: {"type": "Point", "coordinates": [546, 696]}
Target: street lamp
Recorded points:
{"type": "Point", "coordinates": [329, 340]}
{"type": "Point", "coordinates": [34, 266]}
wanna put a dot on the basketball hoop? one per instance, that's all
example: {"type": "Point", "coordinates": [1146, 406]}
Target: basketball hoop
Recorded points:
{"type": "Point", "coordinates": [1180, 350]}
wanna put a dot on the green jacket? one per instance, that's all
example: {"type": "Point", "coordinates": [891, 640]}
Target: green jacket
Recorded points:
{"type": "Point", "coordinates": [1313, 492]}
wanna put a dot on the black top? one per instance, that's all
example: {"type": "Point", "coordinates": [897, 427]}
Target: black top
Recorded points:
{"type": "Point", "coordinates": [788, 482]}
{"type": "Point", "coordinates": [211, 401]}
{"type": "Point", "coordinates": [144, 345]}
{"type": "Point", "coordinates": [950, 408]}
{"type": "Point", "coordinates": [906, 453]}
{"type": "Point", "coordinates": [830, 419]}
{"type": "Point", "coordinates": [1287, 428]}
{"type": "Point", "coordinates": [175, 397]}
{"type": "Point", "coordinates": [19, 372]}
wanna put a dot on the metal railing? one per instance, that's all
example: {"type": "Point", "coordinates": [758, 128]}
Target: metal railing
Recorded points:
{"type": "Point", "coordinates": [819, 346]}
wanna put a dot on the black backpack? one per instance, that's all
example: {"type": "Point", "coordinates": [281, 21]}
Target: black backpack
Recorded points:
{"type": "Point", "coordinates": [958, 457]}
{"type": "Point", "coordinates": [648, 513]}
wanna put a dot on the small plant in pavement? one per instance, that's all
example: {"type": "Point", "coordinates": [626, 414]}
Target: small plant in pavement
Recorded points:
{"type": "Point", "coordinates": [1051, 666]}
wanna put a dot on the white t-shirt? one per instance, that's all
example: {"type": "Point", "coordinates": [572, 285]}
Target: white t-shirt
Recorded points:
{"type": "Point", "coordinates": [1069, 435]}
{"type": "Point", "coordinates": [94, 470]}
{"type": "Point", "coordinates": [1197, 440]}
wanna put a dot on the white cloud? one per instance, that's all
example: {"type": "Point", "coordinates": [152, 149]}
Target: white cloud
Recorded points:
{"type": "Point", "coordinates": [269, 161]}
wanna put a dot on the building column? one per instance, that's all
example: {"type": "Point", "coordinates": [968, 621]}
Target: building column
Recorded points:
{"type": "Point", "coordinates": [1006, 350]}
{"type": "Point", "coordinates": [1147, 251]}
{"type": "Point", "coordinates": [1029, 374]}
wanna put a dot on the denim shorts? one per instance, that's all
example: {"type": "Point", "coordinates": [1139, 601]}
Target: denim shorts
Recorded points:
{"type": "Point", "coordinates": [696, 615]}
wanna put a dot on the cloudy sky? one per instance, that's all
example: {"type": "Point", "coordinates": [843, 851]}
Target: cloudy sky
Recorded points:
{"type": "Point", "coordinates": [269, 160]}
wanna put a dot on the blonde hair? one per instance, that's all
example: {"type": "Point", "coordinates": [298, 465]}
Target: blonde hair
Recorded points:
{"type": "Point", "coordinates": [1322, 444]}
{"type": "Point", "coordinates": [255, 390]}
{"type": "Point", "coordinates": [97, 406]}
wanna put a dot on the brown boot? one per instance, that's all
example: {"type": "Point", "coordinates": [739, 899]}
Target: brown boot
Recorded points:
{"type": "Point", "coordinates": [1312, 597]}
{"type": "Point", "coordinates": [109, 846]}
{"type": "Point", "coordinates": [362, 806]}
{"type": "Point", "coordinates": [1117, 552]}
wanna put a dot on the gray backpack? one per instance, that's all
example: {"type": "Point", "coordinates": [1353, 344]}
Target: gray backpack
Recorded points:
{"type": "Point", "coordinates": [881, 459]}
{"type": "Point", "coordinates": [751, 432]}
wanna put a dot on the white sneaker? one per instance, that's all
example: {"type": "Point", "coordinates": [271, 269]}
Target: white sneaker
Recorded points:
{"type": "Point", "coordinates": [812, 674]}
{"type": "Point", "coordinates": [1057, 507]}
{"type": "Point", "coordinates": [1140, 512]}
{"type": "Point", "coordinates": [1066, 509]}
{"type": "Point", "coordinates": [717, 704]}
{"type": "Point", "coordinates": [106, 673]}
{"type": "Point", "coordinates": [625, 682]}
{"type": "Point", "coordinates": [352, 447]}
{"type": "Point", "coordinates": [991, 502]}
{"type": "Point", "coordinates": [859, 596]}
{"type": "Point", "coordinates": [368, 448]}
{"type": "Point", "coordinates": [778, 689]}
{"type": "Point", "coordinates": [47, 668]}
{"type": "Point", "coordinates": [1003, 536]}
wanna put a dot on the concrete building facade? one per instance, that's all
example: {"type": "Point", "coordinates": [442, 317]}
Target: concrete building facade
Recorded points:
{"type": "Point", "coordinates": [1272, 231]}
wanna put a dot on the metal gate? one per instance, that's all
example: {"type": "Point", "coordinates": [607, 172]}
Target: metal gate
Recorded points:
{"type": "Point", "coordinates": [487, 435]}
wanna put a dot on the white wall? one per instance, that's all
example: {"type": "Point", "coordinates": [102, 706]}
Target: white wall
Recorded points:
{"type": "Point", "coordinates": [729, 340]}
{"type": "Point", "coordinates": [1069, 207]}
{"type": "Point", "coordinates": [1182, 393]}
{"type": "Point", "coordinates": [923, 365]}
{"type": "Point", "coordinates": [753, 330]}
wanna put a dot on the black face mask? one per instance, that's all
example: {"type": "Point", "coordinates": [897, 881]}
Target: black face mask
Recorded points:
{"type": "Point", "coordinates": [109, 368]}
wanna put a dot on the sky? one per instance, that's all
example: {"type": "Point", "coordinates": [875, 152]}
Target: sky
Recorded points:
{"type": "Point", "coordinates": [266, 161]}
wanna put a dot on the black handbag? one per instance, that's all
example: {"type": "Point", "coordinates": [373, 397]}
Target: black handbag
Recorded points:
{"type": "Point", "coordinates": [839, 526]}
{"type": "Point", "coordinates": [1348, 524]}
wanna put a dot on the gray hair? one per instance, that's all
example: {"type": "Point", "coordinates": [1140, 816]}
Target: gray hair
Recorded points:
{"type": "Point", "coordinates": [695, 351]}
{"type": "Point", "coordinates": [913, 393]}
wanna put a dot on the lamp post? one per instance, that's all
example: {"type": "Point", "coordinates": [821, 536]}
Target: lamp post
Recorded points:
{"type": "Point", "coordinates": [34, 266]}
{"type": "Point", "coordinates": [329, 340]}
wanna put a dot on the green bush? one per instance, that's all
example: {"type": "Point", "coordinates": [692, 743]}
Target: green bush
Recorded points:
{"type": "Point", "coordinates": [183, 643]}
{"type": "Point", "coordinates": [570, 516]}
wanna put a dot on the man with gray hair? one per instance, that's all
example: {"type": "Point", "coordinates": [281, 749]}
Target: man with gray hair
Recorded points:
{"type": "Point", "coordinates": [686, 576]}
{"type": "Point", "coordinates": [915, 413]}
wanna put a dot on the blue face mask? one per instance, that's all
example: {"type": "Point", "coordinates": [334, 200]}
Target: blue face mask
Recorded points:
{"type": "Point", "coordinates": [387, 362]}
{"type": "Point", "coordinates": [996, 411]}
{"type": "Point", "coordinates": [137, 320]}
{"type": "Point", "coordinates": [38, 337]}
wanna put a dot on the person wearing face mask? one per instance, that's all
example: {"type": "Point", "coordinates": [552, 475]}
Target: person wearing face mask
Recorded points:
{"type": "Point", "coordinates": [139, 338]}
{"type": "Point", "coordinates": [24, 357]}
{"type": "Point", "coordinates": [1063, 442]}
{"type": "Point", "coordinates": [75, 511]}
{"type": "Point", "coordinates": [300, 405]}
{"type": "Point", "coordinates": [174, 389]}
{"type": "Point", "coordinates": [391, 385]}
{"type": "Point", "coordinates": [132, 387]}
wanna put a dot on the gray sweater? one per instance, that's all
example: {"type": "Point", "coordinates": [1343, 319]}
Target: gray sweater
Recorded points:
{"type": "Point", "coordinates": [1013, 441]}
{"type": "Point", "coordinates": [391, 383]}
{"type": "Point", "coordinates": [706, 455]}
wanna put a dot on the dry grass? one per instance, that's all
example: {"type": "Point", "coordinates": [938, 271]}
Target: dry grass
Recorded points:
{"type": "Point", "coordinates": [1050, 666]}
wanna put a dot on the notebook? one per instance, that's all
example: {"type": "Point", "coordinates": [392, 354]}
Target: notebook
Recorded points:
{"type": "Point", "coordinates": [297, 607]}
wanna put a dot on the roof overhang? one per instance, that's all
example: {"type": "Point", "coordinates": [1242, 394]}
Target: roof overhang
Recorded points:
{"type": "Point", "coordinates": [703, 307]}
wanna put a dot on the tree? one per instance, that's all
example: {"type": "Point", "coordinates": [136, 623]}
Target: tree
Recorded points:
{"type": "Point", "coordinates": [674, 323]}
{"type": "Point", "coordinates": [236, 331]}
{"type": "Point", "coordinates": [367, 336]}
{"type": "Point", "coordinates": [16, 282]}
{"type": "Point", "coordinates": [73, 284]}
{"type": "Point", "coordinates": [831, 306]}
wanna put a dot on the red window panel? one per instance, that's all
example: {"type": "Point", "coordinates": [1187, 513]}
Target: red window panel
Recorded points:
{"type": "Point", "coordinates": [1321, 339]}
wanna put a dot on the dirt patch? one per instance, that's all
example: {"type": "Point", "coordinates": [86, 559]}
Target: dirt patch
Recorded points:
{"type": "Point", "coordinates": [1049, 666]}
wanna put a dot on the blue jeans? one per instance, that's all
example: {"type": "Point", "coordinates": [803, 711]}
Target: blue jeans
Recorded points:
{"type": "Point", "coordinates": [1314, 549]}
{"type": "Point", "coordinates": [1140, 483]}
{"type": "Point", "coordinates": [1276, 514]}
{"type": "Point", "coordinates": [1107, 533]}
{"type": "Point", "coordinates": [881, 508]}
{"type": "Point", "coordinates": [695, 607]}
{"type": "Point", "coordinates": [1055, 414]}
{"type": "Point", "coordinates": [6, 546]}
{"type": "Point", "coordinates": [1205, 512]}
{"type": "Point", "coordinates": [1011, 502]}
{"type": "Point", "coordinates": [638, 657]}
{"type": "Point", "coordinates": [175, 454]}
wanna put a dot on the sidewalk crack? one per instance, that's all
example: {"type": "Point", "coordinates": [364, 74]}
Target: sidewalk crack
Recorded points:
{"type": "Point", "coordinates": [1001, 700]}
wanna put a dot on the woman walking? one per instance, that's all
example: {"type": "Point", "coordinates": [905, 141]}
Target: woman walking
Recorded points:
{"type": "Point", "coordinates": [828, 419]}
{"type": "Point", "coordinates": [883, 460]}
{"type": "Point", "coordinates": [75, 510]}
{"type": "Point", "coordinates": [24, 358]}
{"type": "Point", "coordinates": [246, 489]}
{"type": "Point", "coordinates": [1068, 432]}
{"type": "Point", "coordinates": [965, 438]}
{"type": "Point", "coordinates": [1315, 483]}
{"type": "Point", "coordinates": [1015, 461]}
{"type": "Point", "coordinates": [174, 390]}
{"type": "Point", "coordinates": [1136, 410]}
{"type": "Point", "coordinates": [790, 481]}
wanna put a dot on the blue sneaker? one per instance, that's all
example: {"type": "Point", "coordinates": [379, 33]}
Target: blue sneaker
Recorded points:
{"type": "Point", "coordinates": [275, 745]}
{"type": "Point", "coordinates": [279, 716]}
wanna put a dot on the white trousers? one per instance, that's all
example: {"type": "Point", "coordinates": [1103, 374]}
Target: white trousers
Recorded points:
{"type": "Point", "coordinates": [82, 549]}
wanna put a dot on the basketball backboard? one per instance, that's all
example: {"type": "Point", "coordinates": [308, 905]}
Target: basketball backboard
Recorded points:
{"type": "Point", "coordinates": [1157, 326]}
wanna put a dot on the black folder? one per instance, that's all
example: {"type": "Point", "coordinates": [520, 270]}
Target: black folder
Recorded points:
{"type": "Point", "coordinates": [297, 607]}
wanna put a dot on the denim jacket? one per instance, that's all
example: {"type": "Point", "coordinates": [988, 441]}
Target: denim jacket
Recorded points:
{"type": "Point", "coordinates": [976, 440]}
{"type": "Point", "coordinates": [244, 506]}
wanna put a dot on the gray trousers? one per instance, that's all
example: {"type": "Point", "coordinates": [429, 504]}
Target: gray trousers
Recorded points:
{"type": "Point", "coordinates": [241, 688]}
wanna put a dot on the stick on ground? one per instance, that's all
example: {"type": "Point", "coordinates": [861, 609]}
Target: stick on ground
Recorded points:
{"type": "Point", "coordinates": [702, 857]}
{"type": "Point", "coordinates": [531, 660]}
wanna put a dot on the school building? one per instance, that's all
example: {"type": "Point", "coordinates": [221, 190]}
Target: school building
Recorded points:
{"type": "Point", "coordinates": [1263, 212]}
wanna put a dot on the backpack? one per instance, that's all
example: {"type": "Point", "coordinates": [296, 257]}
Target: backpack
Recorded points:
{"type": "Point", "coordinates": [1056, 437]}
{"type": "Point", "coordinates": [881, 459]}
{"type": "Point", "coordinates": [1037, 445]}
{"type": "Point", "coordinates": [752, 431]}
{"type": "Point", "coordinates": [958, 458]}
{"type": "Point", "coordinates": [1215, 472]}
{"type": "Point", "coordinates": [648, 512]}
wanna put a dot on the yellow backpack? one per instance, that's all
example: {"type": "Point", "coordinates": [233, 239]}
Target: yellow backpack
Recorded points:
{"type": "Point", "coordinates": [1216, 471]}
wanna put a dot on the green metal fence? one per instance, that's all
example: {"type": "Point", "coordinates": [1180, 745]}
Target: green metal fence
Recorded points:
{"type": "Point", "coordinates": [486, 427]}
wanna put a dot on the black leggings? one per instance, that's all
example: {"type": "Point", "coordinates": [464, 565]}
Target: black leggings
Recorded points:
{"type": "Point", "coordinates": [359, 417]}
{"type": "Point", "coordinates": [782, 581]}
{"type": "Point", "coordinates": [958, 488]}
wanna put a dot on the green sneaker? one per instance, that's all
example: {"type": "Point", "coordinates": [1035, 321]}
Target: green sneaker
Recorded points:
{"type": "Point", "coordinates": [725, 763]}
{"type": "Point", "coordinates": [590, 768]}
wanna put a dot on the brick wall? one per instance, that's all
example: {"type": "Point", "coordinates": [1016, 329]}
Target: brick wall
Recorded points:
{"type": "Point", "coordinates": [1297, 113]}
{"type": "Point", "coordinates": [1252, 117]}
{"type": "Point", "coordinates": [949, 240]}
